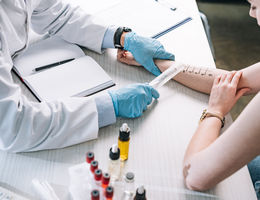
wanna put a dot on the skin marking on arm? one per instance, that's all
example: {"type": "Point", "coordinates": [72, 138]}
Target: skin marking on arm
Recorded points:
{"type": "Point", "coordinates": [197, 70]}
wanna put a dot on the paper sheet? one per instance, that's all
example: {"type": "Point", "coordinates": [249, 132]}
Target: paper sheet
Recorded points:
{"type": "Point", "coordinates": [45, 52]}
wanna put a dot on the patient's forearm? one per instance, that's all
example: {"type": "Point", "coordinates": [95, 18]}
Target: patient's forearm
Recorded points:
{"type": "Point", "coordinates": [201, 79]}
{"type": "Point", "coordinates": [197, 78]}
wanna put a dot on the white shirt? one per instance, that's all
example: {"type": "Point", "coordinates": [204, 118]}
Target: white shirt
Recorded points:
{"type": "Point", "coordinates": [30, 126]}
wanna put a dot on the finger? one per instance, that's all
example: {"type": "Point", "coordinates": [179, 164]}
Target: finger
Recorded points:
{"type": "Point", "coordinates": [216, 80]}
{"type": "Point", "coordinates": [229, 77]}
{"type": "Point", "coordinates": [126, 53]}
{"type": "Point", "coordinates": [122, 59]}
{"type": "Point", "coordinates": [222, 78]}
{"type": "Point", "coordinates": [155, 93]}
{"type": "Point", "coordinates": [149, 97]}
{"type": "Point", "coordinates": [241, 92]}
{"type": "Point", "coordinates": [150, 93]}
{"type": "Point", "coordinates": [120, 54]}
{"type": "Point", "coordinates": [153, 68]}
{"type": "Point", "coordinates": [145, 108]}
{"type": "Point", "coordinates": [164, 55]}
{"type": "Point", "coordinates": [236, 79]}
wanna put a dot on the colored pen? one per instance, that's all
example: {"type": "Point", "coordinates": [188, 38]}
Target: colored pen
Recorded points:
{"type": "Point", "coordinates": [53, 65]}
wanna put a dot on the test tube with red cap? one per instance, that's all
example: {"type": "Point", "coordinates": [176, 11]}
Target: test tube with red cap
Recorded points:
{"type": "Point", "coordinates": [89, 157]}
{"type": "Point", "coordinates": [95, 195]}
{"type": "Point", "coordinates": [98, 176]}
{"type": "Point", "coordinates": [93, 165]}
{"type": "Point", "coordinates": [109, 193]}
{"type": "Point", "coordinates": [105, 180]}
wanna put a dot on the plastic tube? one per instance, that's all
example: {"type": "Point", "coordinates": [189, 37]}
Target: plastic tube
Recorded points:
{"type": "Point", "coordinates": [164, 77]}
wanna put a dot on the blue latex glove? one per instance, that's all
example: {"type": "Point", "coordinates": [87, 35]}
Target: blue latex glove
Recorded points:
{"type": "Point", "coordinates": [145, 50]}
{"type": "Point", "coordinates": [132, 100]}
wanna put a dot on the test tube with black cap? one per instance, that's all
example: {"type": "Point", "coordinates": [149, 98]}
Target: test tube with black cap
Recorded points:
{"type": "Point", "coordinates": [114, 163]}
{"type": "Point", "coordinates": [140, 193]}
{"type": "Point", "coordinates": [123, 141]}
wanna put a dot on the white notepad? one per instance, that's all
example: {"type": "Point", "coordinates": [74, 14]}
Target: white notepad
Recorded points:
{"type": "Point", "coordinates": [79, 77]}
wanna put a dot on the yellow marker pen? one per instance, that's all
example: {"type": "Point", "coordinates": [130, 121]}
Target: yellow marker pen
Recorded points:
{"type": "Point", "coordinates": [123, 141]}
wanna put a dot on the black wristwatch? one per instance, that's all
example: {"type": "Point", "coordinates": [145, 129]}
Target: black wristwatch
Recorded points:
{"type": "Point", "coordinates": [117, 36]}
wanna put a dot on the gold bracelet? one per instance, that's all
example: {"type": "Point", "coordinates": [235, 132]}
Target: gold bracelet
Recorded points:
{"type": "Point", "coordinates": [205, 114]}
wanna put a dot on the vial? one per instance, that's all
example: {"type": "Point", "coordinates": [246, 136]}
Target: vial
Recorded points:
{"type": "Point", "coordinates": [129, 186]}
{"type": "Point", "coordinates": [109, 193]}
{"type": "Point", "coordinates": [89, 157]}
{"type": "Point", "coordinates": [98, 176]}
{"type": "Point", "coordinates": [105, 180]}
{"type": "Point", "coordinates": [123, 141]}
{"type": "Point", "coordinates": [93, 165]}
{"type": "Point", "coordinates": [114, 163]}
{"type": "Point", "coordinates": [95, 195]}
{"type": "Point", "coordinates": [140, 193]}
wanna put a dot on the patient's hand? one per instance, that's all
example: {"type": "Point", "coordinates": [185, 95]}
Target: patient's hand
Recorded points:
{"type": "Point", "coordinates": [126, 57]}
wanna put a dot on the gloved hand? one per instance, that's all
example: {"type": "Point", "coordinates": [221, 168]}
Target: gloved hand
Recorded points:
{"type": "Point", "coordinates": [132, 100]}
{"type": "Point", "coordinates": [145, 50]}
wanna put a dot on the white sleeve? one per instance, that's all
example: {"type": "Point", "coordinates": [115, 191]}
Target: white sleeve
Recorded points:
{"type": "Point", "coordinates": [70, 23]}
{"type": "Point", "coordinates": [31, 126]}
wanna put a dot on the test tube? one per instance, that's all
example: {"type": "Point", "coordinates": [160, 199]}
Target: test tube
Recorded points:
{"type": "Point", "coordinates": [98, 176]}
{"type": "Point", "coordinates": [93, 166]}
{"type": "Point", "coordinates": [109, 192]}
{"type": "Point", "coordinates": [140, 193]}
{"type": "Point", "coordinates": [95, 195]}
{"type": "Point", "coordinates": [123, 141]}
{"type": "Point", "coordinates": [89, 157]}
{"type": "Point", "coordinates": [105, 180]}
{"type": "Point", "coordinates": [129, 186]}
{"type": "Point", "coordinates": [164, 77]}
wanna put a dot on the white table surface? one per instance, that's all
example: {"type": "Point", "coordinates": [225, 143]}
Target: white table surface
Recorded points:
{"type": "Point", "coordinates": [158, 138]}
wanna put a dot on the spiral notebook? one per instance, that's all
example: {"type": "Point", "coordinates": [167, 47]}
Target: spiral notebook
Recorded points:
{"type": "Point", "coordinates": [81, 76]}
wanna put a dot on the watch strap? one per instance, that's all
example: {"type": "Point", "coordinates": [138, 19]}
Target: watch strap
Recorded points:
{"type": "Point", "coordinates": [117, 36]}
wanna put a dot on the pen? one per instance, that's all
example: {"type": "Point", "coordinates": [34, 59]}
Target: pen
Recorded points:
{"type": "Point", "coordinates": [52, 65]}
{"type": "Point", "coordinates": [172, 28]}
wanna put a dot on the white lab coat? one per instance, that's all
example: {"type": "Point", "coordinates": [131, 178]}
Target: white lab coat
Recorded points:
{"type": "Point", "coordinates": [31, 126]}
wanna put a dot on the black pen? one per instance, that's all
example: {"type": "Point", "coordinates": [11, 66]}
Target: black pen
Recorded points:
{"type": "Point", "coordinates": [52, 65]}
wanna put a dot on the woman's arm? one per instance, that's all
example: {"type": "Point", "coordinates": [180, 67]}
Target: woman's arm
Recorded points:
{"type": "Point", "coordinates": [209, 159]}
{"type": "Point", "coordinates": [196, 78]}
{"type": "Point", "coordinates": [201, 79]}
